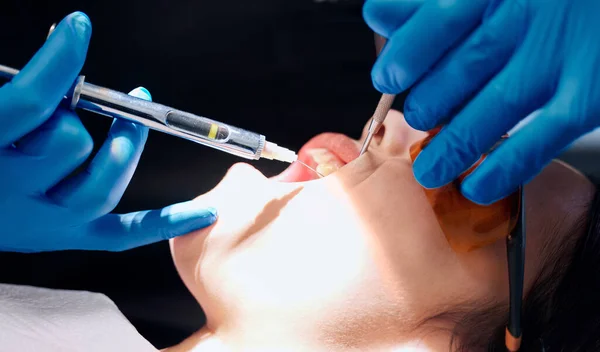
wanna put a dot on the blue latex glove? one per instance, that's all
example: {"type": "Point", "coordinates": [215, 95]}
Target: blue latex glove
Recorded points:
{"type": "Point", "coordinates": [480, 67]}
{"type": "Point", "coordinates": [41, 144]}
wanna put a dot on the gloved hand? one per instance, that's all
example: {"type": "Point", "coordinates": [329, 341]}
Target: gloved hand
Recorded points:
{"type": "Point", "coordinates": [42, 143]}
{"type": "Point", "coordinates": [482, 66]}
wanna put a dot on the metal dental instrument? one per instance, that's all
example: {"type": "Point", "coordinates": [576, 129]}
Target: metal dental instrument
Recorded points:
{"type": "Point", "coordinates": [165, 119]}
{"type": "Point", "coordinates": [384, 106]}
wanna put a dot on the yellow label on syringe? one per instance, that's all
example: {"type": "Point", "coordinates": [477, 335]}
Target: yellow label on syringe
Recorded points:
{"type": "Point", "coordinates": [212, 134]}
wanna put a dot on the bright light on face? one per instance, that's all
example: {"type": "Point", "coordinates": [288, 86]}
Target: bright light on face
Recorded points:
{"type": "Point", "coordinates": [353, 260]}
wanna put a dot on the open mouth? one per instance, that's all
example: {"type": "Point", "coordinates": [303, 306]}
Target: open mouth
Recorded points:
{"type": "Point", "coordinates": [325, 153]}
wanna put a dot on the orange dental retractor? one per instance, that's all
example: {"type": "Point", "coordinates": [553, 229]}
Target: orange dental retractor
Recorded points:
{"type": "Point", "coordinates": [466, 225]}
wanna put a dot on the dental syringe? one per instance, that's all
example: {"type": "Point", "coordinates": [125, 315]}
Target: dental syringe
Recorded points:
{"type": "Point", "coordinates": [205, 131]}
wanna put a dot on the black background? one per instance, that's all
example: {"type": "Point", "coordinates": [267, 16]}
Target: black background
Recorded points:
{"type": "Point", "coordinates": [288, 69]}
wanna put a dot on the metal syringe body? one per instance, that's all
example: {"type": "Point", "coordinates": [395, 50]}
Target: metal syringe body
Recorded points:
{"type": "Point", "coordinates": [202, 130]}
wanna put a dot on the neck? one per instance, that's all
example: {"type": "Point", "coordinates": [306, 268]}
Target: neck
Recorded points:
{"type": "Point", "coordinates": [202, 340]}
{"type": "Point", "coordinates": [205, 340]}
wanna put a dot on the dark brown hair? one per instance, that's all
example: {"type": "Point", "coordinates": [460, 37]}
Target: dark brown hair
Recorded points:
{"type": "Point", "coordinates": [561, 312]}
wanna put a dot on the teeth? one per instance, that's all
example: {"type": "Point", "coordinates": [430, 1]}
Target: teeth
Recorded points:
{"type": "Point", "coordinates": [327, 163]}
{"type": "Point", "coordinates": [327, 169]}
{"type": "Point", "coordinates": [321, 156]}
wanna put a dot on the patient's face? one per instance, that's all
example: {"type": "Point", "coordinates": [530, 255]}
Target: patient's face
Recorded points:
{"type": "Point", "coordinates": [352, 258]}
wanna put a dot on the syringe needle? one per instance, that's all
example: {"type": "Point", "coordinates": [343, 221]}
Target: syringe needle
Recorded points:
{"type": "Point", "coordinates": [310, 168]}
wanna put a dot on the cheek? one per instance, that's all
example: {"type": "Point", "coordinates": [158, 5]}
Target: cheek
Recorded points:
{"type": "Point", "coordinates": [398, 211]}
{"type": "Point", "coordinates": [416, 264]}
{"type": "Point", "coordinates": [414, 259]}
{"type": "Point", "coordinates": [306, 260]}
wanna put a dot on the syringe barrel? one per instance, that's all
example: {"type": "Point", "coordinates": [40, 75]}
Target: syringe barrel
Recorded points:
{"type": "Point", "coordinates": [165, 119]}
{"type": "Point", "coordinates": [199, 129]}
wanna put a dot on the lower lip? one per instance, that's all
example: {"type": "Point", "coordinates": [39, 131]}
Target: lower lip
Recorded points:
{"type": "Point", "coordinates": [343, 147]}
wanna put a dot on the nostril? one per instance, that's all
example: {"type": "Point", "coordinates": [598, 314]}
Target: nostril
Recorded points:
{"type": "Point", "coordinates": [379, 135]}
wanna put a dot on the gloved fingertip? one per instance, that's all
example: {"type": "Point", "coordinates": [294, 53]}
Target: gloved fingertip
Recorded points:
{"type": "Point", "coordinates": [213, 211]}
{"type": "Point", "coordinates": [202, 219]}
{"type": "Point", "coordinates": [383, 72]}
{"type": "Point", "coordinates": [424, 174]}
{"type": "Point", "coordinates": [186, 217]}
{"type": "Point", "coordinates": [369, 12]}
{"type": "Point", "coordinates": [476, 187]}
{"type": "Point", "coordinates": [382, 16]}
{"type": "Point", "coordinates": [135, 133]}
{"type": "Point", "coordinates": [80, 16]}
{"type": "Point", "coordinates": [381, 81]}
{"type": "Point", "coordinates": [81, 24]}
{"type": "Point", "coordinates": [474, 195]}
{"type": "Point", "coordinates": [142, 93]}
{"type": "Point", "coordinates": [414, 115]}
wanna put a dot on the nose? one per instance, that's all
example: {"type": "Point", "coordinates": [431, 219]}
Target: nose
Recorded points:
{"type": "Point", "coordinates": [395, 136]}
